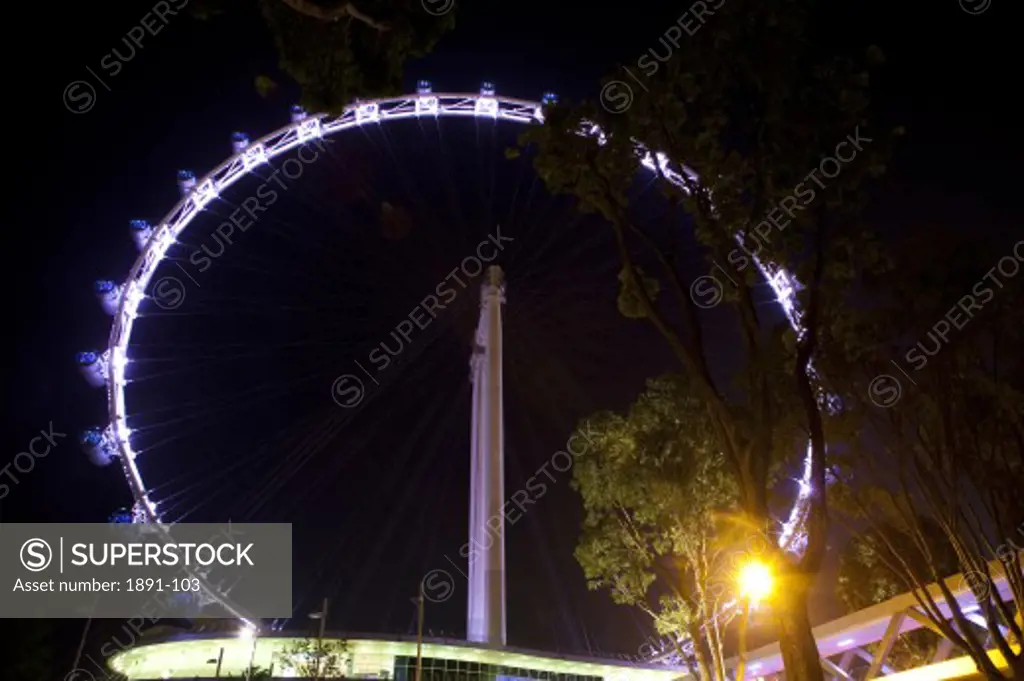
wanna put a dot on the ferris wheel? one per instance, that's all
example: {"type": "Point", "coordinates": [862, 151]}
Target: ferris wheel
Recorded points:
{"type": "Point", "coordinates": [124, 301]}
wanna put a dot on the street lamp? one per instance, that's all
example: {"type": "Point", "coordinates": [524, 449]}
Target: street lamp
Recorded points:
{"type": "Point", "coordinates": [319, 657]}
{"type": "Point", "coordinates": [755, 582]}
{"type": "Point", "coordinates": [419, 633]}
{"type": "Point", "coordinates": [249, 633]}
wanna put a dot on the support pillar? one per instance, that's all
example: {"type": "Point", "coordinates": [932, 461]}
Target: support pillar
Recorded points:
{"type": "Point", "coordinates": [485, 618]}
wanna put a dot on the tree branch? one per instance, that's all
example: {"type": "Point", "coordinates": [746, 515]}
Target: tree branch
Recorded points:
{"type": "Point", "coordinates": [347, 9]}
{"type": "Point", "coordinates": [717, 407]}
{"type": "Point", "coordinates": [817, 517]}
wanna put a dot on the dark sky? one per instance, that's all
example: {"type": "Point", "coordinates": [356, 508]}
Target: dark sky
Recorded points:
{"type": "Point", "coordinates": [383, 500]}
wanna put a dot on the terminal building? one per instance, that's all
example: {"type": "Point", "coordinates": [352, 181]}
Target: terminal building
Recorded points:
{"type": "Point", "coordinates": [208, 656]}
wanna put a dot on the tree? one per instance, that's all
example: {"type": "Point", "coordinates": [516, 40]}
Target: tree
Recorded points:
{"type": "Point", "coordinates": [942, 445]}
{"type": "Point", "coordinates": [30, 651]}
{"type": "Point", "coordinates": [316, 658]}
{"type": "Point", "coordinates": [656, 532]}
{"type": "Point", "coordinates": [865, 579]}
{"type": "Point", "coordinates": [751, 110]}
{"type": "Point", "coordinates": [257, 673]}
{"type": "Point", "coordinates": [338, 51]}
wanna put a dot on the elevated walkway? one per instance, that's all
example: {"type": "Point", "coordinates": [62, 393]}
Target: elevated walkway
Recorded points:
{"type": "Point", "coordinates": [843, 642]}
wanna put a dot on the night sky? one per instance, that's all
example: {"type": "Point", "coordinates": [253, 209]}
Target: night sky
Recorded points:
{"type": "Point", "coordinates": [234, 393]}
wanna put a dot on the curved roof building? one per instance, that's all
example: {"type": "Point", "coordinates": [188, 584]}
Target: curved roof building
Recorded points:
{"type": "Point", "coordinates": [208, 656]}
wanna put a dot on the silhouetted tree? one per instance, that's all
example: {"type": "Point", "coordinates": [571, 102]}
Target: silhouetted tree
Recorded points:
{"type": "Point", "coordinates": [936, 442]}
{"type": "Point", "coordinates": [338, 50]}
{"type": "Point", "coordinates": [865, 579]}
{"type": "Point", "coordinates": [30, 650]}
{"type": "Point", "coordinates": [751, 109]}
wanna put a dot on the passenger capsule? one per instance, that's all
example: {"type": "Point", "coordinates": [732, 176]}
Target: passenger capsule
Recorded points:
{"type": "Point", "coordinates": [93, 367]}
{"type": "Point", "coordinates": [186, 181]}
{"type": "Point", "coordinates": [239, 141]}
{"type": "Point", "coordinates": [98, 446]}
{"type": "Point", "coordinates": [109, 295]}
{"type": "Point", "coordinates": [141, 233]}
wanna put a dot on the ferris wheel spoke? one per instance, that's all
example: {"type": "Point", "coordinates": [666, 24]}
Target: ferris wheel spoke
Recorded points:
{"type": "Point", "coordinates": [310, 426]}
{"type": "Point", "coordinates": [300, 459]}
{"type": "Point", "coordinates": [327, 474]}
{"type": "Point", "coordinates": [296, 459]}
{"type": "Point", "coordinates": [451, 198]}
{"type": "Point", "coordinates": [178, 487]}
{"type": "Point", "coordinates": [385, 535]}
{"type": "Point", "coordinates": [550, 238]}
{"type": "Point", "coordinates": [439, 184]}
{"type": "Point", "coordinates": [401, 170]}
{"type": "Point", "coordinates": [512, 216]}
{"type": "Point", "coordinates": [237, 401]}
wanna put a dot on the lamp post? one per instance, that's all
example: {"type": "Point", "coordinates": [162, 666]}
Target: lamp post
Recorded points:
{"type": "Point", "coordinates": [419, 634]}
{"type": "Point", "coordinates": [219, 661]}
{"type": "Point", "coordinates": [250, 632]}
{"type": "Point", "coordinates": [755, 583]}
{"type": "Point", "coordinates": [319, 655]}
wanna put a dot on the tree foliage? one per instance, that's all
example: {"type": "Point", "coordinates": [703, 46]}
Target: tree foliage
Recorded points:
{"type": "Point", "coordinates": [658, 500]}
{"type": "Point", "coordinates": [257, 673]}
{"type": "Point", "coordinates": [751, 109]}
{"type": "Point", "coordinates": [316, 658]}
{"type": "Point", "coordinates": [866, 578]}
{"type": "Point", "coordinates": [337, 51]}
{"type": "Point", "coordinates": [935, 421]}
{"type": "Point", "coordinates": [30, 651]}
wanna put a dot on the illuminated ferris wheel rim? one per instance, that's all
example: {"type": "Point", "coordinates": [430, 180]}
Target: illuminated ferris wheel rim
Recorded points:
{"type": "Point", "coordinates": [197, 194]}
{"type": "Point", "coordinates": [302, 130]}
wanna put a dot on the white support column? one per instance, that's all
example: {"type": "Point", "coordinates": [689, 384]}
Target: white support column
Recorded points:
{"type": "Point", "coordinates": [845, 660]}
{"type": "Point", "coordinates": [867, 657]}
{"type": "Point", "coordinates": [485, 618]}
{"type": "Point", "coordinates": [835, 671]}
{"type": "Point", "coordinates": [942, 650]}
{"type": "Point", "coordinates": [892, 632]}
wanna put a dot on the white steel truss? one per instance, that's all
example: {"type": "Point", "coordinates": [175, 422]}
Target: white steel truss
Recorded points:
{"type": "Point", "coordinates": [844, 640]}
